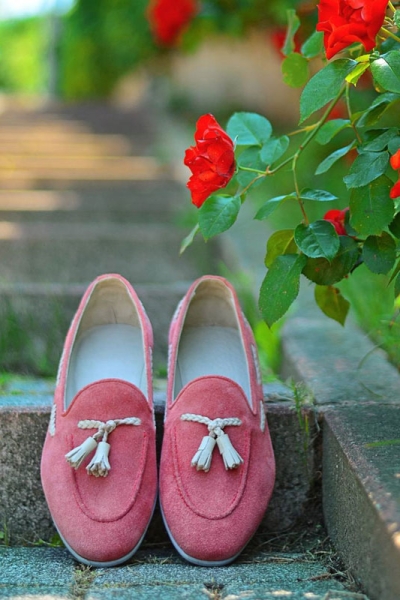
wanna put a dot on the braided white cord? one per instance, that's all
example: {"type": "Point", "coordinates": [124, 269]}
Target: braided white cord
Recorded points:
{"type": "Point", "coordinates": [214, 425]}
{"type": "Point", "coordinates": [104, 429]}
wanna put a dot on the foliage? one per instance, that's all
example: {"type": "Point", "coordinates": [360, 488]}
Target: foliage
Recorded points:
{"type": "Point", "coordinates": [325, 250]}
{"type": "Point", "coordinates": [22, 55]}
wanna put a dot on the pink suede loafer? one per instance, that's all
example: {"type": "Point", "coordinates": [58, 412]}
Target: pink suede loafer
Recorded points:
{"type": "Point", "coordinates": [217, 467]}
{"type": "Point", "coordinates": [98, 468]}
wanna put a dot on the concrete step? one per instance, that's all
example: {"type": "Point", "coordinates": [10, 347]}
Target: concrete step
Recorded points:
{"type": "Point", "coordinates": [63, 253]}
{"type": "Point", "coordinates": [152, 201]}
{"type": "Point", "coordinates": [24, 415]}
{"type": "Point", "coordinates": [50, 574]}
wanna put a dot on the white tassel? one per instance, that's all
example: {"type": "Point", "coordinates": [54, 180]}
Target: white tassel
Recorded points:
{"type": "Point", "coordinates": [78, 454]}
{"type": "Point", "coordinates": [99, 465]}
{"type": "Point", "coordinates": [231, 458]}
{"type": "Point", "coordinates": [202, 459]}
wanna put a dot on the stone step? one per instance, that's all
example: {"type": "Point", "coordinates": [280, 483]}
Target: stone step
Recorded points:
{"type": "Point", "coordinates": [64, 253]}
{"type": "Point", "coordinates": [50, 574]}
{"type": "Point", "coordinates": [24, 415]}
{"type": "Point", "coordinates": [151, 201]}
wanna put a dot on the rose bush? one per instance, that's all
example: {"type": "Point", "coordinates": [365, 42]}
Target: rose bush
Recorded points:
{"type": "Point", "coordinates": [330, 248]}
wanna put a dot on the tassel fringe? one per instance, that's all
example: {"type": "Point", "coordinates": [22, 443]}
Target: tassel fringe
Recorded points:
{"type": "Point", "coordinates": [76, 456]}
{"type": "Point", "coordinates": [230, 456]}
{"type": "Point", "coordinates": [99, 466]}
{"type": "Point", "coordinates": [202, 459]}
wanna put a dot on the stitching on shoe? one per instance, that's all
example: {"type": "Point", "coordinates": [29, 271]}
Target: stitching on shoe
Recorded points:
{"type": "Point", "coordinates": [136, 485]}
{"type": "Point", "coordinates": [186, 496]}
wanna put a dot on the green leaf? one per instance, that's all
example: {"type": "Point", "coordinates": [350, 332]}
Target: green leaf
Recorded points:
{"type": "Point", "coordinates": [279, 243]}
{"type": "Point", "coordinates": [280, 286]}
{"type": "Point", "coordinates": [318, 239]}
{"type": "Point", "coordinates": [188, 239]}
{"type": "Point", "coordinates": [323, 272]}
{"type": "Point", "coordinates": [274, 149]}
{"type": "Point", "coordinates": [394, 145]}
{"type": "Point", "coordinates": [395, 272]}
{"type": "Point", "coordinates": [330, 160]}
{"type": "Point", "coordinates": [379, 253]}
{"type": "Point", "coordinates": [397, 286]}
{"type": "Point", "coordinates": [314, 45]}
{"type": "Point", "coordinates": [356, 73]}
{"type": "Point", "coordinates": [386, 71]}
{"type": "Point", "coordinates": [367, 167]}
{"type": "Point", "coordinates": [250, 129]}
{"type": "Point", "coordinates": [324, 86]}
{"type": "Point", "coordinates": [295, 70]}
{"type": "Point", "coordinates": [217, 214]}
{"type": "Point", "coordinates": [250, 157]}
{"type": "Point", "coordinates": [293, 25]}
{"type": "Point", "coordinates": [396, 18]}
{"type": "Point", "coordinates": [378, 107]}
{"type": "Point", "coordinates": [317, 195]}
{"type": "Point", "coordinates": [270, 205]}
{"type": "Point", "coordinates": [332, 303]}
{"type": "Point", "coordinates": [381, 141]}
{"type": "Point", "coordinates": [330, 129]}
{"type": "Point", "coordinates": [395, 226]}
{"type": "Point", "coordinates": [371, 208]}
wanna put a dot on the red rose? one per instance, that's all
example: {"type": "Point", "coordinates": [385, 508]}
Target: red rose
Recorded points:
{"type": "Point", "coordinates": [168, 18]}
{"type": "Point", "coordinates": [395, 164]}
{"type": "Point", "coordinates": [337, 217]}
{"type": "Point", "coordinates": [347, 21]}
{"type": "Point", "coordinates": [211, 160]}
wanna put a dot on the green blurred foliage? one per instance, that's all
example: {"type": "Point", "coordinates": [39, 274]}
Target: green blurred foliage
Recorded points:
{"type": "Point", "coordinates": [22, 55]}
{"type": "Point", "coordinates": [102, 40]}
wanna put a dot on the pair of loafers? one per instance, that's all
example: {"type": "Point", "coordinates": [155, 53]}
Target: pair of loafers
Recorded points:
{"type": "Point", "coordinates": [99, 470]}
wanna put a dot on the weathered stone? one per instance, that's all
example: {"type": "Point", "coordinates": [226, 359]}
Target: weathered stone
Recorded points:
{"type": "Point", "coordinates": [361, 490]}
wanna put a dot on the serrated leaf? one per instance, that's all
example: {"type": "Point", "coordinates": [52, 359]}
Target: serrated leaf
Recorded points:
{"type": "Point", "coordinates": [188, 239]}
{"type": "Point", "coordinates": [317, 195]}
{"type": "Point", "coordinates": [395, 226]}
{"type": "Point", "coordinates": [293, 25]}
{"type": "Point", "coordinates": [324, 86]}
{"type": "Point", "coordinates": [380, 142]}
{"type": "Point", "coordinates": [330, 129]}
{"type": "Point", "coordinates": [280, 242]}
{"type": "Point", "coordinates": [330, 160]}
{"type": "Point", "coordinates": [274, 149]}
{"type": "Point", "coordinates": [371, 208]}
{"type": "Point", "coordinates": [379, 253]}
{"type": "Point", "coordinates": [314, 45]}
{"type": "Point", "coordinates": [332, 303]}
{"type": "Point", "coordinates": [249, 129]}
{"type": "Point", "coordinates": [386, 71]}
{"type": "Point", "coordinates": [318, 239]}
{"type": "Point", "coordinates": [250, 157]}
{"type": "Point", "coordinates": [217, 214]}
{"type": "Point", "coordinates": [323, 272]}
{"type": "Point", "coordinates": [356, 73]}
{"type": "Point", "coordinates": [271, 205]}
{"type": "Point", "coordinates": [280, 286]}
{"type": "Point", "coordinates": [367, 167]}
{"type": "Point", "coordinates": [295, 70]}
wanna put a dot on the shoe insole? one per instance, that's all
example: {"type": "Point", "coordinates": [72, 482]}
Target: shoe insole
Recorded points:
{"type": "Point", "coordinates": [107, 351]}
{"type": "Point", "coordinates": [211, 350]}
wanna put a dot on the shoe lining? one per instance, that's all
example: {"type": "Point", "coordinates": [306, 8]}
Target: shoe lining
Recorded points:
{"type": "Point", "coordinates": [211, 342]}
{"type": "Point", "coordinates": [109, 341]}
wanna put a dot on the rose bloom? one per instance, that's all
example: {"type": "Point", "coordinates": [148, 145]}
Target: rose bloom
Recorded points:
{"type": "Point", "coordinates": [211, 160]}
{"type": "Point", "coordinates": [347, 21]}
{"type": "Point", "coordinates": [395, 164]}
{"type": "Point", "coordinates": [337, 217]}
{"type": "Point", "coordinates": [169, 18]}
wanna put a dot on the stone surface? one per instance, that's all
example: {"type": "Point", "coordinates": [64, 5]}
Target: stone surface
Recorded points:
{"type": "Point", "coordinates": [326, 357]}
{"type": "Point", "coordinates": [361, 492]}
{"type": "Point", "coordinates": [49, 573]}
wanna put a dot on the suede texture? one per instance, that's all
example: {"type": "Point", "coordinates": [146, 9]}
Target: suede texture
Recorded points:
{"type": "Point", "coordinates": [213, 515]}
{"type": "Point", "coordinates": [102, 518]}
